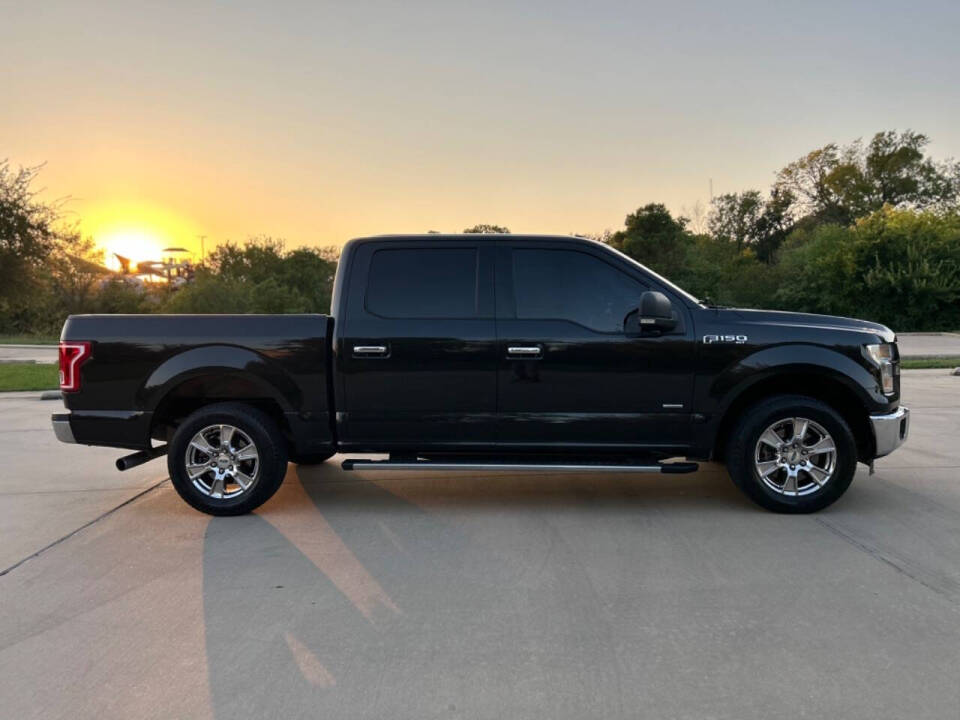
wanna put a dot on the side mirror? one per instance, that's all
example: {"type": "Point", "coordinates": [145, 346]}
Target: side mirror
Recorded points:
{"type": "Point", "coordinates": [654, 316]}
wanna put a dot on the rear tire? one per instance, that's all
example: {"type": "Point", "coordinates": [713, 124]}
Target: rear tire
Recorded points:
{"type": "Point", "coordinates": [792, 454]}
{"type": "Point", "coordinates": [227, 459]}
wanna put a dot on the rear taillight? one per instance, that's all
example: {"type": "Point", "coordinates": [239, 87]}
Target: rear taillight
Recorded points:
{"type": "Point", "coordinates": [72, 356]}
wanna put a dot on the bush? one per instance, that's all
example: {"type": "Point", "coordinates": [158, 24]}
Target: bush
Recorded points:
{"type": "Point", "coordinates": [897, 267]}
{"type": "Point", "coordinates": [717, 270]}
{"type": "Point", "coordinates": [209, 293]}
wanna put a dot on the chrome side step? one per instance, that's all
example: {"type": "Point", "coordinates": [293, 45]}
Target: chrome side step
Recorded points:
{"type": "Point", "coordinates": [666, 468]}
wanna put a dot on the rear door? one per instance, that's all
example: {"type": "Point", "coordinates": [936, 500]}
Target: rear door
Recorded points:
{"type": "Point", "coordinates": [570, 379]}
{"type": "Point", "coordinates": [417, 350]}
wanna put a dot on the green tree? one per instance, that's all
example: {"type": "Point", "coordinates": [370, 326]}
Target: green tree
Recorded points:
{"type": "Point", "coordinates": [117, 295]}
{"type": "Point", "coordinates": [210, 293]}
{"type": "Point", "coordinates": [899, 174]}
{"type": "Point", "coordinates": [840, 184]}
{"type": "Point", "coordinates": [735, 217]}
{"type": "Point", "coordinates": [27, 237]}
{"type": "Point", "coordinates": [74, 271]}
{"type": "Point", "coordinates": [899, 267]}
{"type": "Point", "coordinates": [652, 236]}
{"type": "Point", "coordinates": [260, 276]}
{"type": "Point", "coordinates": [484, 228]}
{"type": "Point", "coordinates": [746, 219]}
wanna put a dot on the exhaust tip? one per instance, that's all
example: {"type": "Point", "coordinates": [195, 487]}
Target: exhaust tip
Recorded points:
{"type": "Point", "coordinates": [139, 458]}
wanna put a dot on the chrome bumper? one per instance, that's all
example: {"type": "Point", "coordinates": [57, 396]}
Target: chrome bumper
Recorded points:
{"type": "Point", "coordinates": [62, 429]}
{"type": "Point", "coordinates": [890, 431]}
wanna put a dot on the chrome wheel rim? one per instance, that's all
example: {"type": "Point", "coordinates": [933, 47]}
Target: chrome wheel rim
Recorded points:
{"type": "Point", "coordinates": [795, 456]}
{"type": "Point", "coordinates": [222, 462]}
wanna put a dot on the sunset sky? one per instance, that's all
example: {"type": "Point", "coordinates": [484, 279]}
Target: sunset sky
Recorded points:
{"type": "Point", "coordinates": [317, 122]}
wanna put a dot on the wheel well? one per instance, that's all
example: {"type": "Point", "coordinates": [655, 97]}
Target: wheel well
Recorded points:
{"type": "Point", "coordinates": [198, 392]}
{"type": "Point", "coordinates": [826, 390]}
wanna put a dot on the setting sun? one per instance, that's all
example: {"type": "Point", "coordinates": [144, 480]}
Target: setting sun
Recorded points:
{"type": "Point", "coordinates": [133, 243]}
{"type": "Point", "coordinates": [137, 232]}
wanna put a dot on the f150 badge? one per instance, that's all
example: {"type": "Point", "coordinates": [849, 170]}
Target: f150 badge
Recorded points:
{"type": "Point", "coordinates": [738, 339]}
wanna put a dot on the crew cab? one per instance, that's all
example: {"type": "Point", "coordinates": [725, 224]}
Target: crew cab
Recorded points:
{"type": "Point", "coordinates": [448, 352]}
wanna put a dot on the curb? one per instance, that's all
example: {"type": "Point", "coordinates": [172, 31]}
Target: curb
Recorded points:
{"type": "Point", "coordinates": [30, 395]}
{"type": "Point", "coordinates": [928, 334]}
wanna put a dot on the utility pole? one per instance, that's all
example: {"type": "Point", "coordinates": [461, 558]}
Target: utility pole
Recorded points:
{"type": "Point", "coordinates": [711, 189]}
{"type": "Point", "coordinates": [203, 254]}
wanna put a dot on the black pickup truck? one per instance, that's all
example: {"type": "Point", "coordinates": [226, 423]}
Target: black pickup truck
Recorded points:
{"type": "Point", "coordinates": [488, 352]}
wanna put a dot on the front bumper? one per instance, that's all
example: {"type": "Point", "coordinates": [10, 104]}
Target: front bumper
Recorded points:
{"type": "Point", "coordinates": [61, 428]}
{"type": "Point", "coordinates": [890, 430]}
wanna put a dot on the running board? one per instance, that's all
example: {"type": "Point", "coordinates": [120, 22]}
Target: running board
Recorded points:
{"type": "Point", "coordinates": [666, 468]}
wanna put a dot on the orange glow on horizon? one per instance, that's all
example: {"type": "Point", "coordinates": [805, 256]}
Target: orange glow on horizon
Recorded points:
{"type": "Point", "coordinates": [137, 232]}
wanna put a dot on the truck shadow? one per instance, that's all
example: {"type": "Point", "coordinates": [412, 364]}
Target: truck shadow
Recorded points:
{"type": "Point", "coordinates": [416, 597]}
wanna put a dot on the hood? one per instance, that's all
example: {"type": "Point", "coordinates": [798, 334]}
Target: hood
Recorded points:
{"type": "Point", "coordinates": [809, 320]}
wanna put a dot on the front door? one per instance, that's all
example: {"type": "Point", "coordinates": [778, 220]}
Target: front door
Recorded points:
{"type": "Point", "coordinates": [417, 350]}
{"type": "Point", "coordinates": [570, 379]}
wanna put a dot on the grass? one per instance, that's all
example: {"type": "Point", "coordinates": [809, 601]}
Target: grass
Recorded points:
{"type": "Point", "coordinates": [28, 340]}
{"type": "Point", "coordinates": [927, 363]}
{"type": "Point", "coordinates": [29, 376]}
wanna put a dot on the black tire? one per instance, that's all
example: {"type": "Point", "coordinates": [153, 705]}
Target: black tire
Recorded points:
{"type": "Point", "coordinates": [745, 436]}
{"type": "Point", "coordinates": [311, 458]}
{"type": "Point", "coordinates": [270, 446]}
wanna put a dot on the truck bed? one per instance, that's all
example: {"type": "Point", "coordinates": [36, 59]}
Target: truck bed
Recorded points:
{"type": "Point", "coordinates": [140, 363]}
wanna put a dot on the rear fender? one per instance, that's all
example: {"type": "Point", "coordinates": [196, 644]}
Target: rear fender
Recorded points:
{"type": "Point", "coordinates": [224, 362]}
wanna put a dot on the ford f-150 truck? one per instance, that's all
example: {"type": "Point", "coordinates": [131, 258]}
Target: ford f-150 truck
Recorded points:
{"type": "Point", "coordinates": [488, 352]}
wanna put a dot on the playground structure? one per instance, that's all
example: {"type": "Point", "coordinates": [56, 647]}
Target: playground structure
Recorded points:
{"type": "Point", "coordinates": [174, 267]}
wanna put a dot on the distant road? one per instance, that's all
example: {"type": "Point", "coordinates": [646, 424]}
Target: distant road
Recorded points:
{"type": "Point", "coordinates": [929, 344]}
{"type": "Point", "coordinates": [911, 345]}
{"type": "Point", "coordinates": [27, 353]}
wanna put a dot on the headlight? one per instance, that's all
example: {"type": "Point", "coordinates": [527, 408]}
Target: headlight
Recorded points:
{"type": "Point", "coordinates": [882, 357]}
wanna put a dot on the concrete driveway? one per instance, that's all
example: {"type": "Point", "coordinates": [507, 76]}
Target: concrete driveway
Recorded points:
{"type": "Point", "coordinates": [511, 596]}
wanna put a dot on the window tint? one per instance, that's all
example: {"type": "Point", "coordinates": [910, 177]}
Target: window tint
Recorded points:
{"type": "Point", "coordinates": [423, 283]}
{"type": "Point", "coordinates": [575, 286]}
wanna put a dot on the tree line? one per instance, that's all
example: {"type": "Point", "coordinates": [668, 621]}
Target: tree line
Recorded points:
{"type": "Point", "coordinates": [870, 230]}
{"type": "Point", "coordinates": [865, 230]}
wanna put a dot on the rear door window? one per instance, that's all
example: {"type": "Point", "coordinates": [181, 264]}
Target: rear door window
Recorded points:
{"type": "Point", "coordinates": [423, 283]}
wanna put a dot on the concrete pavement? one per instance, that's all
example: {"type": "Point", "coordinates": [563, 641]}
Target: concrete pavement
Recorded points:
{"type": "Point", "coordinates": [517, 596]}
{"type": "Point", "coordinates": [47, 488]}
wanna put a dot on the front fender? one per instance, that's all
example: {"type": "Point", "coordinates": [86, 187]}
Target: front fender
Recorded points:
{"type": "Point", "coordinates": [808, 360]}
{"type": "Point", "coordinates": [224, 361]}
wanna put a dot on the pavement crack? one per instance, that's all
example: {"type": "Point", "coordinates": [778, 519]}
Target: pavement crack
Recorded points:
{"type": "Point", "coordinates": [946, 589]}
{"type": "Point", "coordinates": [70, 534]}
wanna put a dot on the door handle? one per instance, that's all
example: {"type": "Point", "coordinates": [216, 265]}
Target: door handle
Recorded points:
{"type": "Point", "coordinates": [371, 350]}
{"type": "Point", "coordinates": [526, 351]}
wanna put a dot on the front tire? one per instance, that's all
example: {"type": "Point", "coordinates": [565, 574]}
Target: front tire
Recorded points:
{"type": "Point", "coordinates": [227, 459]}
{"type": "Point", "coordinates": [792, 454]}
